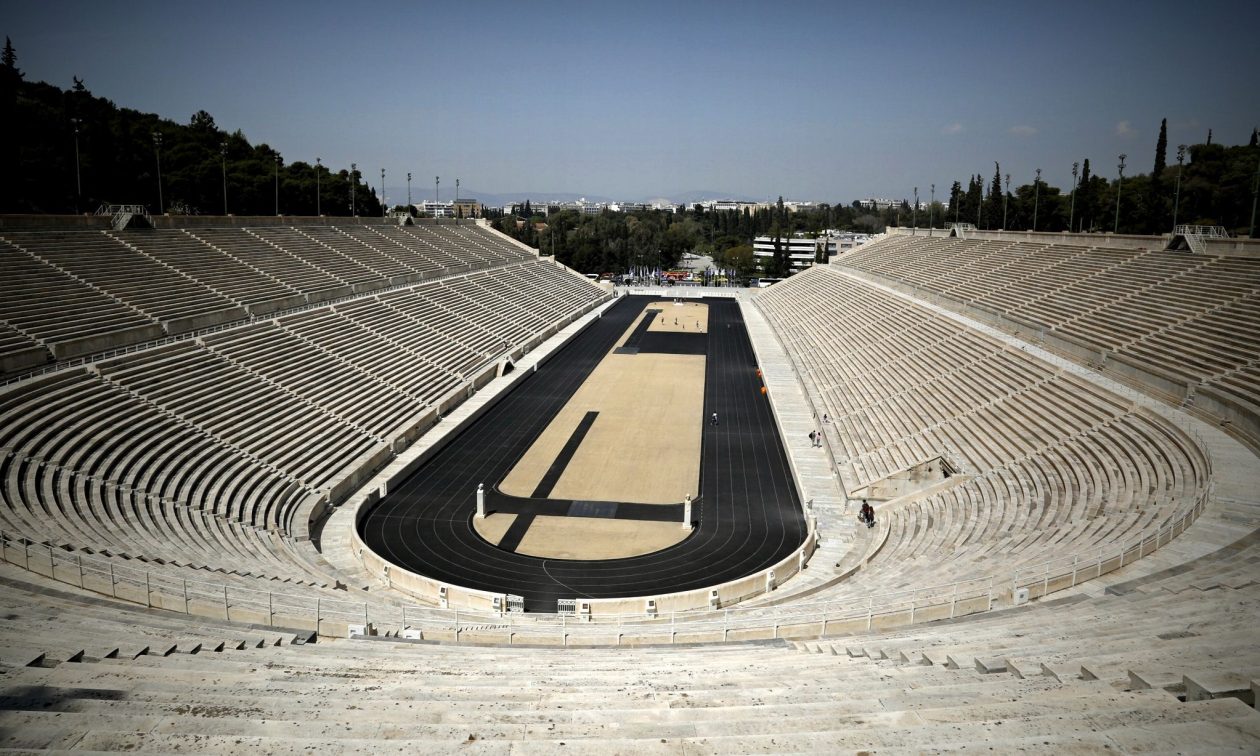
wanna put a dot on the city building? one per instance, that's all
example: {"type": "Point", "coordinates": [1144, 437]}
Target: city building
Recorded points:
{"type": "Point", "coordinates": [802, 250]}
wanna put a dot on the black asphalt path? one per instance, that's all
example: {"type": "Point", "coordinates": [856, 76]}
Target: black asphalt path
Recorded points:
{"type": "Point", "coordinates": [747, 514]}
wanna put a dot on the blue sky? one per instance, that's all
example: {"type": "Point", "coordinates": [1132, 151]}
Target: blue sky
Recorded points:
{"type": "Point", "coordinates": [828, 101]}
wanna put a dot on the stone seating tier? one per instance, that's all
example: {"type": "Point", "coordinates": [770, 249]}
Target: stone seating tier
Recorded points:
{"type": "Point", "coordinates": [67, 294]}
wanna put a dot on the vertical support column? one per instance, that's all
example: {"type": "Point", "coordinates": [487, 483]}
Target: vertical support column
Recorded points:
{"type": "Point", "coordinates": [481, 501]}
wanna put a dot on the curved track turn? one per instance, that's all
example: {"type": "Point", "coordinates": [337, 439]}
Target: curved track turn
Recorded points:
{"type": "Point", "coordinates": [747, 515]}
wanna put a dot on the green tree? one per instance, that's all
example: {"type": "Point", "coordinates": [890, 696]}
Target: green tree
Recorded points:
{"type": "Point", "coordinates": [1154, 199]}
{"type": "Point", "coordinates": [993, 208]}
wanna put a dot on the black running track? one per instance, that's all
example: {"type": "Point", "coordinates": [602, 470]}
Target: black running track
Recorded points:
{"type": "Point", "coordinates": [747, 514]}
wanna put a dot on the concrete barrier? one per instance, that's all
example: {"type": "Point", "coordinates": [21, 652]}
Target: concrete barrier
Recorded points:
{"type": "Point", "coordinates": [103, 342]}
{"type": "Point", "coordinates": [177, 326]}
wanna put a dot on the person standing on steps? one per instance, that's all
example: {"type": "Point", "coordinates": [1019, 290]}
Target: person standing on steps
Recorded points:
{"type": "Point", "coordinates": [714, 419]}
{"type": "Point", "coordinates": [813, 439]}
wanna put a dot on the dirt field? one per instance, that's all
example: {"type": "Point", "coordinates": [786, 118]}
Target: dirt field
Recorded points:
{"type": "Point", "coordinates": [644, 447]}
{"type": "Point", "coordinates": [645, 444]}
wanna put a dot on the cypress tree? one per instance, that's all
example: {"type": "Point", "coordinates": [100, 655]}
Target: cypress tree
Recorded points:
{"type": "Point", "coordinates": [1085, 198]}
{"type": "Point", "coordinates": [995, 196]}
{"type": "Point", "coordinates": [1155, 191]}
{"type": "Point", "coordinates": [1161, 151]}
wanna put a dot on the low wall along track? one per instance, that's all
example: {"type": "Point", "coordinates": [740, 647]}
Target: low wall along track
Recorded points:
{"type": "Point", "coordinates": [591, 488]}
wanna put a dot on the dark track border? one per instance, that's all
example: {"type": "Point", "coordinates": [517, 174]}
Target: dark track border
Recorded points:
{"type": "Point", "coordinates": [748, 512]}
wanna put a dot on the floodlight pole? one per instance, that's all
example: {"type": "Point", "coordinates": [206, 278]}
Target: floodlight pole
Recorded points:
{"type": "Point", "coordinates": [277, 185]}
{"type": "Point", "coordinates": [455, 208]}
{"type": "Point", "coordinates": [317, 208]}
{"type": "Point", "coordinates": [1072, 212]}
{"type": "Point", "coordinates": [408, 192]}
{"type": "Point", "coordinates": [1036, 198]}
{"type": "Point", "coordinates": [1181, 159]}
{"type": "Point", "coordinates": [157, 151]}
{"type": "Point", "coordinates": [932, 210]}
{"type": "Point", "coordinates": [1119, 188]}
{"type": "Point", "coordinates": [914, 212]}
{"type": "Point", "coordinates": [383, 210]}
{"type": "Point", "coordinates": [354, 168]}
{"type": "Point", "coordinates": [78, 182]}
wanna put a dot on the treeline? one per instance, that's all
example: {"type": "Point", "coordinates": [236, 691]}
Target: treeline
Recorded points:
{"type": "Point", "coordinates": [119, 156]}
{"type": "Point", "coordinates": [616, 242]}
{"type": "Point", "coordinates": [1217, 188]}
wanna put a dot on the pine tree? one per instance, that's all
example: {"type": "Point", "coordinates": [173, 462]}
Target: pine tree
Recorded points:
{"type": "Point", "coordinates": [9, 59]}
{"type": "Point", "coordinates": [1254, 137]}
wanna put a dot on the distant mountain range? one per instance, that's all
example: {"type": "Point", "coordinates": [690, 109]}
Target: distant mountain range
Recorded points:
{"type": "Point", "coordinates": [493, 199]}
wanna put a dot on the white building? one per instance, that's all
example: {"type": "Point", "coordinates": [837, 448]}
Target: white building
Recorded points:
{"type": "Point", "coordinates": [436, 209]}
{"type": "Point", "coordinates": [802, 250]}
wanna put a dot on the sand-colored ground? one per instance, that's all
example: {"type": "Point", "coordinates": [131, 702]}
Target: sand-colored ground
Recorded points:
{"type": "Point", "coordinates": [584, 537]}
{"type": "Point", "coordinates": [643, 447]}
{"type": "Point", "coordinates": [645, 444]}
{"type": "Point", "coordinates": [691, 317]}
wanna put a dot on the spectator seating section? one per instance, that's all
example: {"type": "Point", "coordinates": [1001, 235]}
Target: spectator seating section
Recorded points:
{"type": "Point", "coordinates": [1155, 671]}
{"type": "Point", "coordinates": [201, 453]}
{"type": "Point", "coordinates": [1048, 465]}
{"type": "Point", "coordinates": [1192, 319]}
{"type": "Point", "coordinates": [192, 459]}
{"type": "Point", "coordinates": [67, 294]}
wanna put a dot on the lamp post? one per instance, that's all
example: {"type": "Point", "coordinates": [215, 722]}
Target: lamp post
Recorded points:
{"type": "Point", "coordinates": [383, 206]}
{"type": "Point", "coordinates": [1006, 197]}
{"type": "Point", "coordinates": [1076, 167]}
{"type": "Point", "coordinates": [1115, 229]}
{"type": "Point", "coordinates": [354, 169]}
{"type": "Point", "coordinates": [1181, 159]}
{"type": "Point", "coordinates": [78, 182]}
{"type": "Point", "coordinates": [277, 157]}
{"type": "Point", "coordinates": [223, 166]}
{"type": "Point", "coordinates": [914, 211]}
{"type": "Point", "coordinates": [932, 210]}
{"type": "Point", "coordinates": [157, 151]}
{"type": "Point", "coordinates": [317, 208]}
